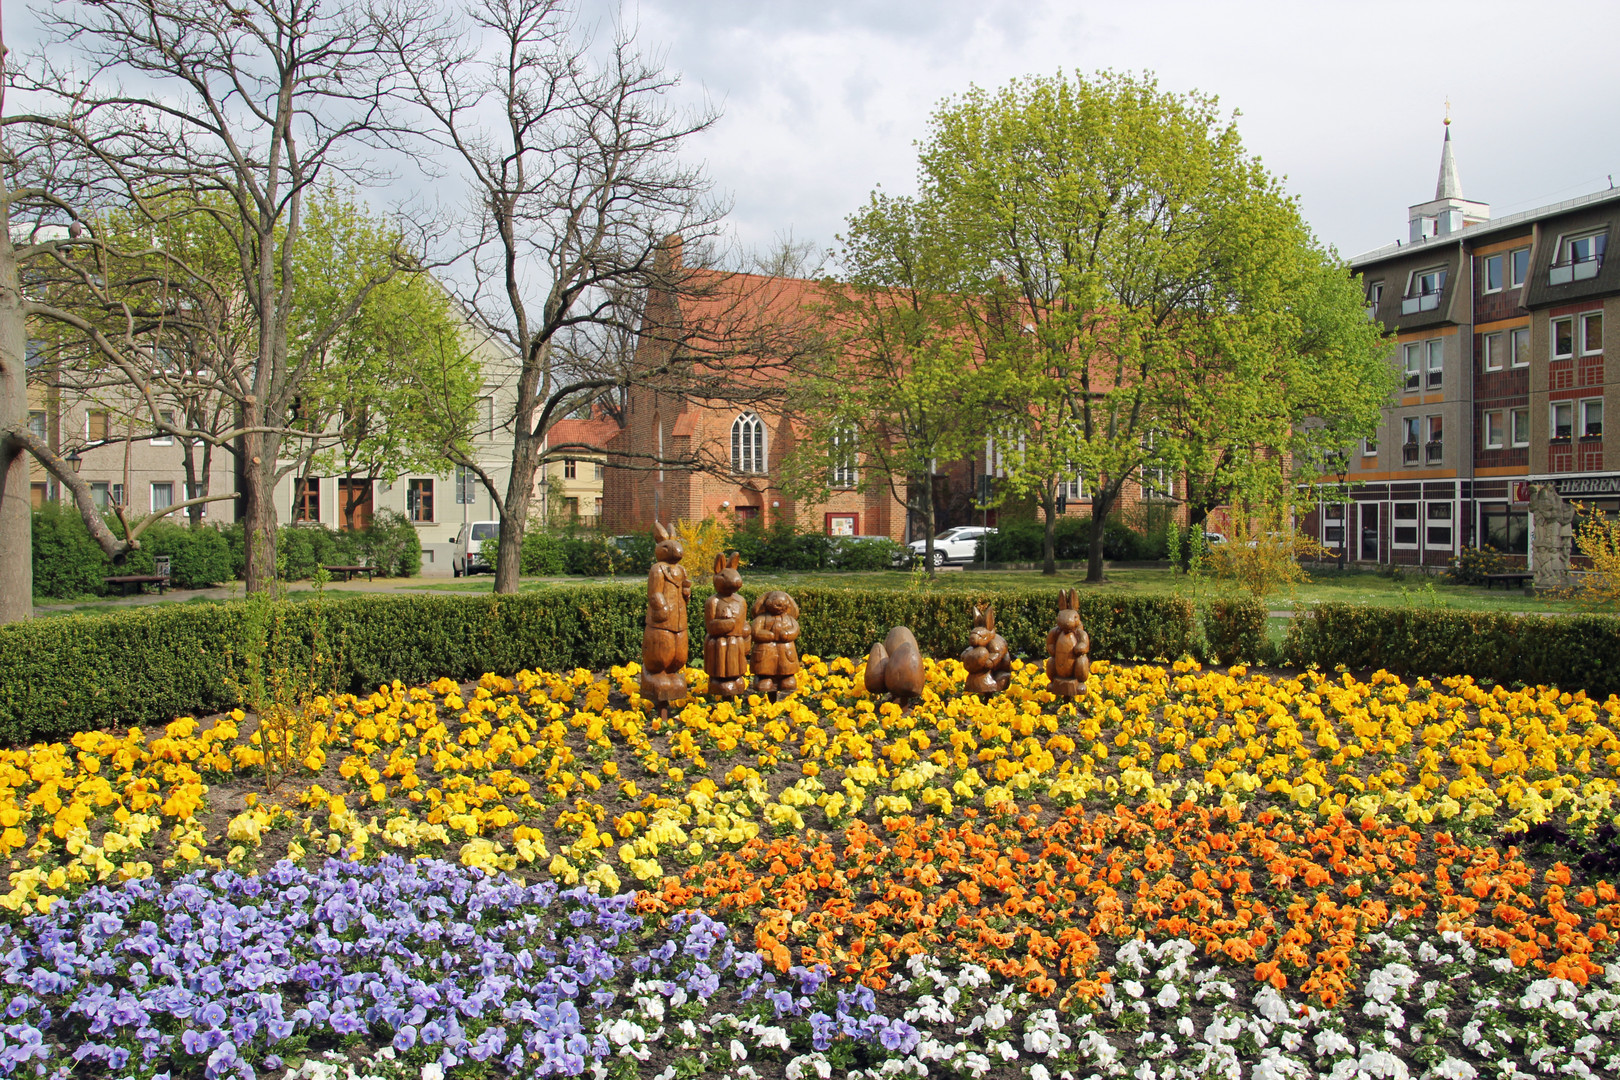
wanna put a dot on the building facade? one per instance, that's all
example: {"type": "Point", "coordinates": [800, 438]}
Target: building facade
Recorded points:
{"type": "Point", "coordinates": [1498, 333]}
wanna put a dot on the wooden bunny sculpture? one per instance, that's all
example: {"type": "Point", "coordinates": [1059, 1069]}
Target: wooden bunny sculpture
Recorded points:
{"type": "Point", "coordinates": [1068, 648]}
{"type": "Point", "coordinates": [663, 643]}
{"type": "Point", "coordinates": [988, 662]}
{"type": "Point", "coordinates": [775, 657]}
{"type": "Point", "coordinates": [894, 667]}
{"type": "Point", "coordinates": [725, 621]}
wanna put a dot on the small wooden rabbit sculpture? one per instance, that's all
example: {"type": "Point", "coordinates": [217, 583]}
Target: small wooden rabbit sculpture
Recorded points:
{"type": "Point", "coordinates": [1068, 648]}
{"type": "Point", "coordinates": [988, 662]}
{"type": "Point", "coordinates": [663, 643]}
{"type": "Point", "coordinates": [775, 657]}
{"type": "Point", "coordinates": [725, 620]}
{"type": "Point", "coordinates": [894, 667]}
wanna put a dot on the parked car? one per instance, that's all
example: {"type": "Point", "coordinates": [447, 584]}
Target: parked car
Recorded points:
{"type": "Point", "coordinates": [1213, 539]}
{"type": "Point", "coordinates": [467, 556]}
{"type": "Point", "coordinates": [958, 545]}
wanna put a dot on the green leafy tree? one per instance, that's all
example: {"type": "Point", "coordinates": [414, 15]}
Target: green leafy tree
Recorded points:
{"type": "Point", "coordinates": [894, 391]}
{"type": "Point", "coordinates": [1134, 270]}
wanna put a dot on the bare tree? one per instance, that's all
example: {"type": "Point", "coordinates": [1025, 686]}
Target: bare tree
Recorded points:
{"type": "Point", "coordinates": [208, 113]}
{"type": "Point", "coordinates": [589, 255]}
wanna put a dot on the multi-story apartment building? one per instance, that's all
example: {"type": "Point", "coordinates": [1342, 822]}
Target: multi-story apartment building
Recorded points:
{"type": "Point", "coordinates": [1498, 331]}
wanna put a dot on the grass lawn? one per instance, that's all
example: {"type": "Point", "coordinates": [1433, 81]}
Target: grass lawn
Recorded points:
{"type": "Point", "coordinates": [1350, 586]}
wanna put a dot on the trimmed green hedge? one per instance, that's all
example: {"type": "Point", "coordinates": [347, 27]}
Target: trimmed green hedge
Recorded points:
{"type": "Point", "coordinates": [148, 665]}
{"type": "Point", "coordinates": [1573, 652]}
{"type": "Point", "coordinates": [1236, 630]}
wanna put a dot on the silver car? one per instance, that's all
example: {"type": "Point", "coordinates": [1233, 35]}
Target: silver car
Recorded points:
{"type": "Point", "coordinates": [958, 545]}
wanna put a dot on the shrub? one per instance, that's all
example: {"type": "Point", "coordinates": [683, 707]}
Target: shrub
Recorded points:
{"type": "Point", "coordinates": [780, 546]}
{"type": "Point", "coordinates": [1573, 652]}
{"type": "Point", "coordinates": [148, 665]}
{"type": "Point", "coordinates": [1597, 538]}
{"type": "Point", "coordinates": [1235, 630]}
{"type": "Point", "coordinates": [198, 557]}
{"type": "Point", "coordinates": [1024, 541]}
{"type": "Point", "coordinates": [875, 553]}
{"type": "Point", "coordinates": [390, 543]}
{"type": "Point", "coordinates": [700, 541]}
{"type": "Point", "coordinates": [68, 564]}
{"type": "Point", "coordinates": [1473, 563]}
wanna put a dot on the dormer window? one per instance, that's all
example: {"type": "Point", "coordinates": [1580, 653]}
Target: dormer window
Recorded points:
{"type": "Point", "coordinates": [1423, 291]}
{"type": "Point", "coordinates": [1579, 257]}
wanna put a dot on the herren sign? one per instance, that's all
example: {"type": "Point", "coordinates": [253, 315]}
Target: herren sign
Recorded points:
{"type": "Point", "coordinates": [1588, 485]}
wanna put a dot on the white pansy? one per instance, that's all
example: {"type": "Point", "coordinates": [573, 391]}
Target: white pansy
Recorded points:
{"type": "Point", "coordinates": [1133, 988]}
{"type": "Point", "coordinates": [739, 1052]}
{"type": "Point", "coordinates": [431, 1071]}
{"type": "Point", "coordinates": [1168, 996]}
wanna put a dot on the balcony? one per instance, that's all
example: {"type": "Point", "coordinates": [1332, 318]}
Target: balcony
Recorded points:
{"type": "Point", "coordinates": [1575, 270]}
{"type": "Point", "coordinates": [1410, 305]}
{"type": "Point", "coordinates": [1432, 452]}
{"type": "Point", "coordinates": [1409, 454]}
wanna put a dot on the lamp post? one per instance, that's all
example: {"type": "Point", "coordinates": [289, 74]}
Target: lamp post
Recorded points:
{"type": "Point", "coordinates": [75, 460]}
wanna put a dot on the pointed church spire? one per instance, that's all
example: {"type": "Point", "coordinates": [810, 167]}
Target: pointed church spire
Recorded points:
{"type": "Point", "coordinates": [1449, 186]}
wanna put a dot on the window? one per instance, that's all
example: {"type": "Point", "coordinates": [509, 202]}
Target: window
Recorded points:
{"type": "Point", "coordinates": [1493, 273]}
{"type": "Point", "coordinates": [1375, 295]}
{"type": "Point", "coordinates": [843, 460]}
{"type": "Point", "coordinates": [419, 500]}
{"type": "Point", "coordinates": [1521, 427]}
{"type": "Point", "coordinates": [1411, 427]}
{"type": "Point", "coordinates": [1592, 418]}
{"type": "Point", "coordinates": [354, 503]}
{"type": "Point", "coordinates": [38, 495]}
{"type": "Point", "coordinates": [1438, 533]}
{"type": "Point", "coordinates": [570, 469]}
{"type": "Point", "coordinates": [1504, 529]}
{"type": "Point", "coordinates": [748, 444]}
{"type": "Point", "coordinates": [1563, 419]}
{"type": "Point", "coordinates": [466, 486]}
{"type": "Point", "coordinates": [1518, 266]}
{"type": "Point", "coordinates": [1563, 338]}
{"type": "Point", "coordinates": [36, 424]}
{"type": "Point", "coordinates": [1493, 347]}
{"type": "Point", "coordinates": [162, 496]}
{"type": "Point", "coordinates": [1369, 447]}
{"type": "Point", "coordinates": [1437, 355]}
{"type": "Point", "coordinates": [1579, 258]}
{"type": "Point", "coordinates": [1406, 525]}
{"type": "Point", "coordinates": [1413, 358]}
{"type": "Point", "coordinates": [1158, 478]}
{"type": "Point", "coordinates": [571, 507]}
{"type": "Point", "coordinates": [306, 499]}
{"type": "Point", "coordinates": [1592, 333]}
{"type": "Point", "coordinates": [1521, 347]}
{"type": "Point", "coordinates": [596, 470]}
{"type": "Point", "coordinates": [1494, 433]}
{"type": "Point", "coordinates": [164, 438]}
{"type": "Point", "coordinates": [486, 414]}
{"type": "Point", "coordinates": [95, 425]}
{"type": "Point", "coordinates": [118, 494]}
{"type": "Point", "coordinates": [194, 490]}
{"type": "Point", "coordinates": [101, 496]}
{"type": "Point", "coordinates": [1073, 489]}
{"type": "Point", "coordinates": [1434, 447]}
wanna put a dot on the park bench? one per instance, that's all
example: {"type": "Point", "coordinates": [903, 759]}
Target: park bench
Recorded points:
{"type": "Point", "coordinates": [132, 583]}
{"type": "Point", "coordinates": [1507, 581]}
{"type": "Point", "coordinates": [346, 573]}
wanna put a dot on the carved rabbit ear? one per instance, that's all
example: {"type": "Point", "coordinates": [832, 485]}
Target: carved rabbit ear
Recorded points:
{"type": "Point", "coordinates": [659, 532]}
{"type": "Point", "coordinates": [978, 616]}
{"type": "Point", "coordinates": [736, 559]}
{"type": "Point", "coordinates": [719, 562]}
{"type": "Point", "coordinates": [989, 618]}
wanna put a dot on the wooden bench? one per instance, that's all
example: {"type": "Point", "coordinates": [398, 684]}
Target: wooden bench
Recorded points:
{"type": "Point", "coordinates": [1507, 581]}
{"type": "Point", "coordinates": [132, 583]}
{"type": "Point", "coordinates": [346, 573]}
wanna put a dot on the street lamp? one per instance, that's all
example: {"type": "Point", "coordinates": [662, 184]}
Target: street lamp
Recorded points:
{"type": "Point", "coordinates": [75, 460]}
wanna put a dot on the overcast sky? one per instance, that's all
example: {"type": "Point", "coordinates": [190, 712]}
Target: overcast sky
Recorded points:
{"type": "Point", "coordinates": [823, 99]}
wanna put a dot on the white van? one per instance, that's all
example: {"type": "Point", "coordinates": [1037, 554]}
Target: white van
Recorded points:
{"type": "Point", "coordinates": [466, 557]}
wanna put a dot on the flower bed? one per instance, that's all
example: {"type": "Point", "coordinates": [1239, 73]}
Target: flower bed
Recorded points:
{"type": "Point", "coordinates": [1183, 871]}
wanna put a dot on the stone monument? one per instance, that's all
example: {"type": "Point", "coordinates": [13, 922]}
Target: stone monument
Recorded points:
{"type": "Point", "coordinates": [1552, 537]}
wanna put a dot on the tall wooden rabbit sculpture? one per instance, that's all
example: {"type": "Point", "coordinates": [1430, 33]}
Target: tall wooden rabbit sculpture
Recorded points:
{"type": "Point", "coordinates": [663, 643]}
{"type": "Point", "coordinates": [987, 659]}
{"type": "Point", "coordinates": [894, 667]}
{"type": "Point", "coordinates": [725, 621]}
{"type": "Point", "coordinates": [1068, 648]}
{"type": "Point", "coordinates": [775, 657]}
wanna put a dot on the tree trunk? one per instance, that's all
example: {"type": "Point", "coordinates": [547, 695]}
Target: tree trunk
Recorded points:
{"type": "Point", "coordinates": [1049, 504]}
{"type": "Point", "coordinates": [16, 523]}
{"type": "Point", "coordinates": [1099, 518]}
{"type": "Point", "coordinates": [926, 511]}
{"type": "Point", "coordinates": [515, 514]}
{"type": "Point", "coordinates": [259, 507]}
